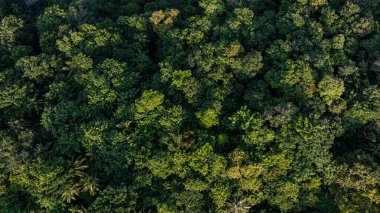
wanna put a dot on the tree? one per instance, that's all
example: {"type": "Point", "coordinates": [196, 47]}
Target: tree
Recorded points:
{"type": "Point", "coordinates": [248, 66]}
{"type": "Point", "coordinates": [238, 206]}
{"type": "Point", "coordinates": [180, 78]}
{"type": "Point", "coordinates": [330, 89]}
{"type": "Point", "coordinates": [189, 106]}
{"type": "Point", "coordinates": [9, 28]}
{"type": "Point", "coordinates": [361, 180]}
{"type": "Point", "coordinates": [115, 199]}
{"type": "Point", "coordinates": [254, 132]}
{"type": "Point", "coordinates": [213, 7]}
{"type": "Point", "coordinates": [281, 114]}
{"type": "Point", "coordinates": [163, 20]}
{"type": "Point", "coordinates": [208, 117]}
{"type": "Point", "coordinates": [285, 195]}
{"type": "Point", "coordinates": [37, 68]}
{"type": "Point", "coordinates": [317, 3]}
{"type": "Point", "coordinates": [296, 77]}
{"type": "Point", "coordinates": [48, 25]}
{"type": "Point", "coordinates": [150, 99]}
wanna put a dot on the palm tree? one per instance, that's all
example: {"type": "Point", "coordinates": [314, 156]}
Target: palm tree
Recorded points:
{"type": "Point", "coordinates": [79, 167]}
{"type": "Point", "coordinates": [78, 209]}
{"type": "Point", "coordinates": [18, 124]}
{"type": "Point", "coordinates": [238, 206]}
{"type": "Point", "coordinates": [71, 193]}
{"type": "Point", "coordinates": [90, 185]}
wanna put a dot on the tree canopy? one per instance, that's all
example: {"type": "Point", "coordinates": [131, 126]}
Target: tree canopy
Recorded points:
{"type": "Point", "coordinates": [189, 106]}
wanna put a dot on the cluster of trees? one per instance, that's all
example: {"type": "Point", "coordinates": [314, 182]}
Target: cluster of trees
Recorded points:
{"type": "Point", "coordinates": [189, 106]}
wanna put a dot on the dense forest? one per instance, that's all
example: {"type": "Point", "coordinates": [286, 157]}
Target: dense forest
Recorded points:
{"type": "Point", "coordinates": [190, 106]}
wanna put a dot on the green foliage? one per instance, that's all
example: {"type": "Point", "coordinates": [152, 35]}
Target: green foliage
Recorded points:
{"type": "Point", "coordinates": [189, 106]}
{"type": "Point", "coordinates": [37, 68]}
{"type": "Point", "coordinates": [180, 78]}
{"type": "Point", "coordinates": [173, 119]}
{"type": "Point", "coordinates": [248, 66]}
{"type": "Point", "coordinates": [114, 199]}
{"type": "Point", "coordinates": [296, 77]}
{"type": "Point", "coordinates": [150, 99]}
{"type": "Point", "coordinates": [12, 96]}
{"type": "Point", "coordinates": [43, 182]}
{"type": "Point", "coordinates": [208, 117]}
{"type": "Point", "coordinates": [52, 18]}
{"type": "Point", "coordinates": [212, 7]}
{"type": "Point", "coordinates": [285, 195]}
{"type": "Point", "coordinates": [163, 20]}
{"type": "Point", "coordinates": [9, 27]}
{"type": "Point", "coordinates": [254, 132]}
{"type": "Point", "coordinates": [281, 114]}
{"type": "Point", "coordinates": [330, 89]}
